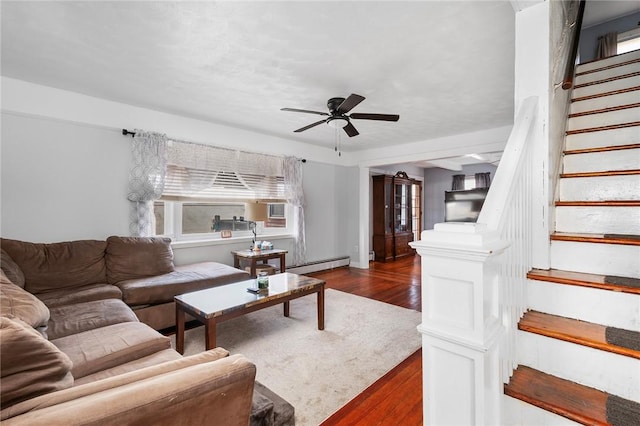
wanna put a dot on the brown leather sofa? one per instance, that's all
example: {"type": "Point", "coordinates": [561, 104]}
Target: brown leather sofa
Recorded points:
{"type": "Point", "coordinates": [73, 352]}
{"type": "Point", "coordinates": [140, 271]}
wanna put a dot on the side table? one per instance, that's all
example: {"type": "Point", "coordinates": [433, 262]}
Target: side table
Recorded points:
{"type": "Point", "coordinates": [253, 256]}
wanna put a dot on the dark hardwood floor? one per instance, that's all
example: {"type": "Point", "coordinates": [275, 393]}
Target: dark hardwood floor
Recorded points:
{"type": "Point", "coordinates": [396, 398]}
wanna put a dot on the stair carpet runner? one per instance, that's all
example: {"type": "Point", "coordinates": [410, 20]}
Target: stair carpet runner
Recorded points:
{"type": "Point", "coordinates": [595, 258]}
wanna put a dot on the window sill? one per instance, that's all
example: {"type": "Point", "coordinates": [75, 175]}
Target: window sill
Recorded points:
{"type": "Point", "coordinates": [222, 241]}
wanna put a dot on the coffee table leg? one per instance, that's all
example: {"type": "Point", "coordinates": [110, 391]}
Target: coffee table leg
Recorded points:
{"type": "Point", "coordinates": [179, 330]}
{"type": "Point", "coordinates": [210, 331]}
{"type": "Point", "coordinates": [286, 309]}
{"type": "Point", "coordinates": [321, 309]}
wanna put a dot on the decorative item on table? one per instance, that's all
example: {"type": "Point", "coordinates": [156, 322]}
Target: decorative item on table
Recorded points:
{"type": "Point", "coordinates": [266, 245]}
{"type": "Point", "coordinates": [263, 281]}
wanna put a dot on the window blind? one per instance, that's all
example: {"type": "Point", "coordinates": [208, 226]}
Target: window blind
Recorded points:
{"type": "Point", "coordinates": [203, 173]}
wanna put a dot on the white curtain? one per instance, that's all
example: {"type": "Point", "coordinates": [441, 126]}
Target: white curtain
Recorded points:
{"type": "Point", "coordinates": [607, 45]}
{"type": "Point", "coordinates": [295, 197]}
{"type": "Point", "coordinates": [146, 180]}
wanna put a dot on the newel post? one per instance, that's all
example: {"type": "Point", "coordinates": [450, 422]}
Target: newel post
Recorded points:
{"type": "Point", "coordinates": [460, 326]}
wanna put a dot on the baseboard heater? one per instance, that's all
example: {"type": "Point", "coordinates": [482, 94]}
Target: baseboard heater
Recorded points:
{"type": "Point", "coordinates": [320, 265]}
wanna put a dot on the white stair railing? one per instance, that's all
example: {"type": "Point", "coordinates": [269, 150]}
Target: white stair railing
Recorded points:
{"type": "Point", "coordinates": [473, 290]}
{"type": "Point", "coordinates": [508, 211]}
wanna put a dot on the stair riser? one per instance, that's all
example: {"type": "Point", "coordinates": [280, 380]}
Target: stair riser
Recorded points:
{"type": "Point", "coordinates": [595, 89]}
{"type": "Point", "coordinates": [622, 116]}
{"type": "Point", "coordinates": [518, 412]}
{"type": "Point", "coordinates": [610, 308]}
{"type": "Point", "coordinates": [600, 188]}
{"type": "Point", "coordinates": [624, 159]}
{"type": "Point", "coordinates": [608, 61]}
{"type": "Point", "coordinates": [605, 220]}
{"type": "Point", "coordinates": [613, 373]}
{"type": "Point", "coordinates": [626, 98]}
{"type": "Point", "coordinates": [615, 137]}
{"type": "Point", "coordinates": [607, 73]}
{"type": "Point", "coordinates": [595, 258]}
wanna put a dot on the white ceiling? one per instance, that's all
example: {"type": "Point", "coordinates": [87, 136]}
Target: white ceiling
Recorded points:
{"type": "Point", "coordinates": [446, 67]}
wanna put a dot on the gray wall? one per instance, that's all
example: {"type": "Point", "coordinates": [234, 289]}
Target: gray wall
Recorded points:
{"type": "Point", "coordinates": [589, 36]}
{"type": "Point", "coordinates": [436, 182]}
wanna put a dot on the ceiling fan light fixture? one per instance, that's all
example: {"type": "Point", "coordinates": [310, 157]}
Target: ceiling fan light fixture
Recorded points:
{"type": "Point", "coordinates": [337, 122]}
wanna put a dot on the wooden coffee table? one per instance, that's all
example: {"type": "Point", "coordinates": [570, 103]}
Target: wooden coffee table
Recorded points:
{"type": "Point", "coordinates": [225, 302]}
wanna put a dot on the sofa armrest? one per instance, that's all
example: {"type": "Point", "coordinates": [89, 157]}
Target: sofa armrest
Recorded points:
{"type": "Point", "coordinates": [219, 391]}
{"type": "Point", "coordinates": [76, 392]}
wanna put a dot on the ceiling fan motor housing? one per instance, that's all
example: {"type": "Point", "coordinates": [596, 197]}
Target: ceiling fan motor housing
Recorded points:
{"type": "Point", "coordinates": [334, 103]}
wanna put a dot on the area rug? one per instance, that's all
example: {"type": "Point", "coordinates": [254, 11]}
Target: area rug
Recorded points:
{"type": "Point", "coordinates": [319, 371]}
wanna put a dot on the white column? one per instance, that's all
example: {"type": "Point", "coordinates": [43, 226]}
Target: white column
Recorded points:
{"type": "Point", "coordinates": [460, 324]}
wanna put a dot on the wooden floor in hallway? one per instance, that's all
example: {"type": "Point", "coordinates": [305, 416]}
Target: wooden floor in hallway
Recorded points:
{"type": "Point", "coordinates": [396, 398]}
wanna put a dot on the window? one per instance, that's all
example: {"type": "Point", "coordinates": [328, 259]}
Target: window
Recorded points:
{"type": "Point", "coordinates": [469, 182]}
{"type": "Point", "coordinates": [189, 220]}
{"type": "Point", "coordinates": [206, 188]}
{"type": "Point", "coordinates": [629, 41]}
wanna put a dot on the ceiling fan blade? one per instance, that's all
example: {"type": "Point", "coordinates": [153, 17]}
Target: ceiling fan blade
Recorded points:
{"type": "Point", "coordinates": [348, 104]}
{"type": "Point", "coordinates": [350, 130]}
{"type": "Point", "coordinates": [302, 129]}
{"type": "Point", "coordinates": [380, 117]}
{"type": "Point", "coordinates": [303, 110]}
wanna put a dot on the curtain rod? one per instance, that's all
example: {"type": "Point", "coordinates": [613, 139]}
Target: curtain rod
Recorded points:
{"type": "Point", "coordinates": [126, 132]}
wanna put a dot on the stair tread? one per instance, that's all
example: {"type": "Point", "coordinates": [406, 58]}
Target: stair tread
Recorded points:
{"type": "Point", "coordinates": [608, 79]}
{"type": "Point", "coordinates": [602, 128]}
{"type": "Point", "coordinates": [610, 339]}
{"type": "Point", "coordinates": [604, 282]}
{"type": "Point", "coordinates": [600, 203]}
{"type": "Point", "coordinates": [577, 402]}
{"type": "Point", "coordinates": [605, 110]}
{"type": "Point", "coordinates": [623, 239]}
{"type": "Point", "coordinates": [608, 67]}
{"type": "Point", "coordinates": [604, 173]}
{"type": "Point", "coordinates": [603, 94]}
{"type": "Point", "coordinates": [602, 149]}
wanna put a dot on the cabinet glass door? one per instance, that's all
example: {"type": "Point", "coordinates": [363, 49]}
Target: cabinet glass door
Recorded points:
{"type": "Point", "coordinates": [402, 207]}
{"type": "Point", "coordinates": [388, 203]}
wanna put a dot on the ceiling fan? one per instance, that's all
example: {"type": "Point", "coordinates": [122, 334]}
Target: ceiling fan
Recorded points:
{"type": "Point", "coordinates": [337, 116]}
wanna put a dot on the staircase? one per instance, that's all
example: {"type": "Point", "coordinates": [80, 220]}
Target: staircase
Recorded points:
{"type": "Point", "coordinates": [579, 342]}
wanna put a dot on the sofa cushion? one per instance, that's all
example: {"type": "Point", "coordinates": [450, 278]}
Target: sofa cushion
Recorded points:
{"type": "Point", "coordinates": [82, 294]}
{"type": "Point", "coordinates": [21, 304]}
{"type": "Point", "coordinates": [58, 265]}
{"type": "Point", "coordinates": [187, 278]}
{"type": "Point", "coordinates": [80, 317]}
{"type": "Point", "coordinates": [11, 269]}
{"type": "Point", "coordinates": [136, 257]}
{"type": "Point", "coordinates": [102, 348]}
{"type": "Point", "coordinates": [30, 365]}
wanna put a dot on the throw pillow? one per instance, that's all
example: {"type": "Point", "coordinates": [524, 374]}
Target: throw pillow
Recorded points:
{"type": "Point", "coordinates": [137, 257]}
{"type": "Point", "coordinates": [30, 365]}
{"type": "Point", "coordinates": [11, 268]}
{"type": "Point", "coordinates": [21, 304]}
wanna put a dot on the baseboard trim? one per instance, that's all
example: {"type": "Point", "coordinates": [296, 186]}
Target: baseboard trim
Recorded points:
{"type": "Point", "coordinates": [320, 265]}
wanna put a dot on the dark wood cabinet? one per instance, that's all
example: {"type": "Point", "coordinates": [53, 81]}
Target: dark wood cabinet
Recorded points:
{"type": "Point", "coordinates": [393, 215]}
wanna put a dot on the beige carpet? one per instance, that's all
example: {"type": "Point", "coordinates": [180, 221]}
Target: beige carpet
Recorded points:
{"type": "Point", "coordinates": [319, 371]}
